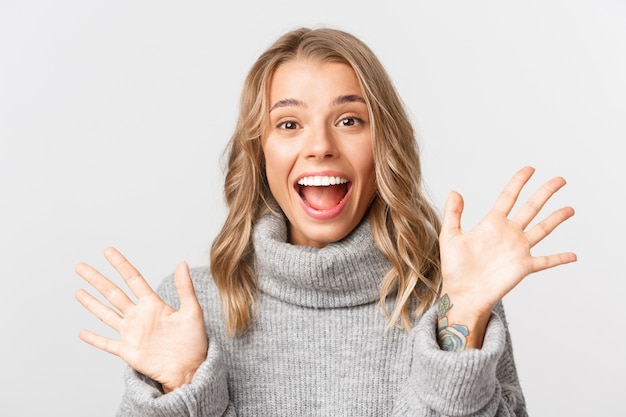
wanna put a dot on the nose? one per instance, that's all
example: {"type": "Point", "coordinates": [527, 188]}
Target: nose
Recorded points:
{"type": "Point", "coordinates": [320, 144]}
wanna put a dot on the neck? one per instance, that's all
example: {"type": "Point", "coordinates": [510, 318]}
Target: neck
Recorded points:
{"type": "Point", "coordinates": [341, 274]}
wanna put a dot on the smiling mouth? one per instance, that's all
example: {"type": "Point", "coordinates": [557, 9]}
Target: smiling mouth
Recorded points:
{"type": "Point", "coordinates": [322, 192]}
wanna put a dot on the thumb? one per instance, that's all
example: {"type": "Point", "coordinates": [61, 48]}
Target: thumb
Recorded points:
{"type": "Point", "coordinates": [184, 287]}
{"type": "Point", "coordinates": [452, 213]}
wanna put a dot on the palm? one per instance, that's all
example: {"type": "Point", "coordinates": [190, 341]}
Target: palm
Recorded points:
{"type": "Point", "coordinates": [480, 266]}
{"type": "Point", "coordinates": [162, 343]}
{"type": "Point", "coordinates": [153, 334]}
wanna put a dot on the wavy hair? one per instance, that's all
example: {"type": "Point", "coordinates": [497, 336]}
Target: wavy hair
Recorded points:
{"type": "Point", "coordinates": [405, 226]}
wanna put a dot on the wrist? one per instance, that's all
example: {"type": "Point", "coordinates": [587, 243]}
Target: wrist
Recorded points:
{"type": "Point", "coordinates": [178, 382]}
{"type": "Point", "coordinates": [459, 326]}
{"type": "Point", "coordinates": [178, 379]}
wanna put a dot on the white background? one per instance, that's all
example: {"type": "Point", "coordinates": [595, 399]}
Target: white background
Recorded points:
{"type": "Point", "coordinates": [113, 116]}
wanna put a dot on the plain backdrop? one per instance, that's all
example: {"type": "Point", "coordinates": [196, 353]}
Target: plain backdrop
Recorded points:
{"type": "Point", "coordinates": [114, 115]}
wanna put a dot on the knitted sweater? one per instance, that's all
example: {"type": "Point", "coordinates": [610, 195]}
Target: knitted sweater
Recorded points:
{"type": "Point", "coordinates": [318, 346]}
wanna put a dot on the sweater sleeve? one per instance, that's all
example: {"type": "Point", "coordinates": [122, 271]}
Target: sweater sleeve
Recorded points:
{"type": "Point", "coordinates": [474, 382]}
{"type": "Point", "coordinates": [207, 394]}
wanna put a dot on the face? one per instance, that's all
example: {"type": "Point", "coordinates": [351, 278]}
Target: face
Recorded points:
{"type": "Point", "coordinates": [318, 150]}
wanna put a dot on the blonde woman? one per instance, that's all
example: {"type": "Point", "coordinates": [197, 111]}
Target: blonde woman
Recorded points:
{"type": "Point", "coordinates": [333, 288]}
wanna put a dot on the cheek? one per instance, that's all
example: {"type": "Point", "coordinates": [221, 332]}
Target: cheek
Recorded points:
{"type": "Point", "coordinates": [368, 168]}
{"type": "Point", "coordinates": [273, 180]}
{"type": "Point", "coordinates": [276, 171]}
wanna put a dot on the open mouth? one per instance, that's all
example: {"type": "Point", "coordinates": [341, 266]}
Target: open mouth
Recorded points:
{"type": "Point", "coordinates": [322, 192]}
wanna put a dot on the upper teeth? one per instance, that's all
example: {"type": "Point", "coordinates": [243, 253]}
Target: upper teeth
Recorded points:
{"type": "Point", "coordinates": [321, 181]}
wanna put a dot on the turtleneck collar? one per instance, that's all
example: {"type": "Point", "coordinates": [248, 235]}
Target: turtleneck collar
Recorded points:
{"type": "Point", "coordinates": [342, 274]}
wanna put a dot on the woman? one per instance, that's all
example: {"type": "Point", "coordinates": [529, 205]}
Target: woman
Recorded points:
{"type": "Point", "coordinates": [333, 288]}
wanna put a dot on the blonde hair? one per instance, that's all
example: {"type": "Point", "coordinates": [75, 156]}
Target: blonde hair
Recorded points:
{"type": "Point", "coordinates": [404, 225]}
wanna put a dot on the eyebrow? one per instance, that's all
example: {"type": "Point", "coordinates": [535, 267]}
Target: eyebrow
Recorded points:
{"type": "Point", "coordinates": [288, 102]}
{"type": "Point", "coordinates": [348, 99]}
{"type": "Point", "coordinates": [292, 102]}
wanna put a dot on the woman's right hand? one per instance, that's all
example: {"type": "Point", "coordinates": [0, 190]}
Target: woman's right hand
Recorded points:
{"type": "Point", "coordinates": [164, 344]}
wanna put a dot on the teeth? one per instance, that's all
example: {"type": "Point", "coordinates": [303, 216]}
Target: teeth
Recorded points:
{"type": "Point", "coordinates": [324, 181]}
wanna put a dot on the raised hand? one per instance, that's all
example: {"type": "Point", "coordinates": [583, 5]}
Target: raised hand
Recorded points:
{"type": "Point", "coordinates": [162, 343]}
{"type": "Point", "coordinates": [482, 265]}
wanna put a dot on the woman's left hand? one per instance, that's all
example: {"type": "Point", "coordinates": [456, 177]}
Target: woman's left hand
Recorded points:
{"type": "Point", "coordinates": [482, 265]}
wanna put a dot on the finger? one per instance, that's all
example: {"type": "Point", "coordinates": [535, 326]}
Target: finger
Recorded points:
{"type": "Point", "coordinates": [127, 271]}
{"type": "Point", "coordinates": [103, 343]}
{"type": "Point", "coordinates": [452, 211]}
{"type": "Point", "coordinates": [509, 195]}
{"type": "Point", "coordinates": [538, 232]}
{"type": "Point", "coordinates": [540, 263]}
{"type": "Point", "coordinates": [531, 208]}
{"type": "Point", "coordinates": [106, 287]}
{"type": "Point", "coordinates": [102, 312]}
{"type": "Point", "coordinates": [184, 287]}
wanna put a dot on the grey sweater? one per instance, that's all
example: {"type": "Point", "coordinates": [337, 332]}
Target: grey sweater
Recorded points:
{"type": "Point", "coordinates": [318, 346]}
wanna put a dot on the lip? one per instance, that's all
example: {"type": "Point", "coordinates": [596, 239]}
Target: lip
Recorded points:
{"type": "Point", "coordinates": [323, 214]}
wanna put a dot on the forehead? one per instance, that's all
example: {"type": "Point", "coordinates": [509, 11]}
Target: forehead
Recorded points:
{"type": "Point", "coordinates": [312, 77]}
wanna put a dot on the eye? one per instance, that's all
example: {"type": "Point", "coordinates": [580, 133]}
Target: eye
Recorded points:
{"type": "Point", "coordinates": [350, 121]}
{"type": "Point", "coordinates": [287, 125]}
